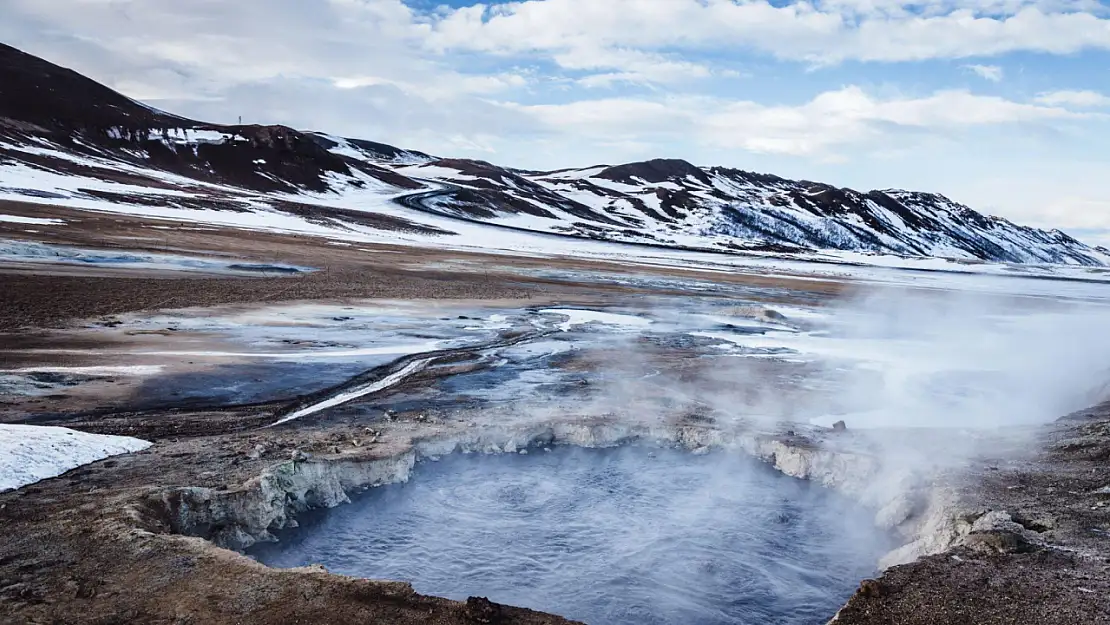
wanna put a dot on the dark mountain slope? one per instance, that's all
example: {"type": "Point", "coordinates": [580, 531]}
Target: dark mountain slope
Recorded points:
{"type": "Point", "coordinates": [57, 121]}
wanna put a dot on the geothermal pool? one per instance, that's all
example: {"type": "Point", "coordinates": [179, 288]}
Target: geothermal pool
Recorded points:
{"type": "Point", "coordinates": [634, 535]}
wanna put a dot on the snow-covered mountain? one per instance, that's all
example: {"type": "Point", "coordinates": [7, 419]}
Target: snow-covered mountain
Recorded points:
{"type": "Point", "coordinates": [66, 138]}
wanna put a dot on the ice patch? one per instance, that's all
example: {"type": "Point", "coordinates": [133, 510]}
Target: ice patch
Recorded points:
{"type": "Point", "coordinates": [13, 251]}
{"type": "Point", "coordinates": [29, 453]}
{"type": "Point", "coordinates": [493, 322]}
{"type": "Point", "coordinates": [138, 370]}
{"type": "Point", "coordinates": [576, 317]}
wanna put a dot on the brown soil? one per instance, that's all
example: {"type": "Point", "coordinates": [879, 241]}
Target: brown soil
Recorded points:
{"type": "Point", "coordinates": [95, 546]}
{"type": "Point", "coordinates": [50, 295]}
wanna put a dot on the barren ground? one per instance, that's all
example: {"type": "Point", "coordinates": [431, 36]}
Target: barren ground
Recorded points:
{"type": "Point", "coordinates": [103, 544]}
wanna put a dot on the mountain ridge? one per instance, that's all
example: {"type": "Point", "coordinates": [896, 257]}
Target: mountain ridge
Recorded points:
{"type": "Point", "coordinates": [55, 120]}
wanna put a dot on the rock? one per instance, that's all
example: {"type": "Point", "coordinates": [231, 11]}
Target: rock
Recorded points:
{"type": "Point", "coordinates": [997, 520]}
{"type": "Point", "coordinates": [482, 610]}
{"type": "Point", "coordinates": [998, 541]}
{"type": "Point", "coordinates": [1039, 524]}
{"type": "Point", "coordinates": [257, 452]}
{"type": "Point", "coordinates": [236, 538]}
{"type": "Point", "coordinates": [773, 315]}
{"type": "Point", "coordinates": [840, 426]}
{"type": "Point", "coordinates": [871, 588]}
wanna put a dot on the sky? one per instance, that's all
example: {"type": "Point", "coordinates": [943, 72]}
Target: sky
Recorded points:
{"type": "Point", "coordinates": [1003, 105]}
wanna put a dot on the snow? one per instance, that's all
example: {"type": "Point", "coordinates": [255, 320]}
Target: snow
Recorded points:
{"type": "Point", "coordinates": [377, 197]}
{"type": "Point", "coordinates": [342, 398]}
{"type": "Point", "coordinates": [435, 171]}
{"type": "Point", "coordinates": [38, 221]}
{"type": "Point", "coordinates": [576, 317]}
{"type": "Point", "coordinates": [344, 148]}
{"type": "Point", "coordinates": [29, 453]}
{"type": "Point", "coordinates": [136, 370]}
{"type": "Point", "coordinates": [387, 350]}
{"type": "Point", "coordinates": [15, 251]}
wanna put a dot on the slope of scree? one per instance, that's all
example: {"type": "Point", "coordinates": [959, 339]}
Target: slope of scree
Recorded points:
{"type": "Point", "coordinates": [663, 202]}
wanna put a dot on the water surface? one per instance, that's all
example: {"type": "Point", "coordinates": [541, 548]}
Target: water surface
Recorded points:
{"type": "Point", "coordinates": [621, 536]}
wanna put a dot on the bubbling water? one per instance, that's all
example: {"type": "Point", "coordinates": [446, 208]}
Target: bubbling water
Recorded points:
{"type": "Point", "coordinates": [632, 535]}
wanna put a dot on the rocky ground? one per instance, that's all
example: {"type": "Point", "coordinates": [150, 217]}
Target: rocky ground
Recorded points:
{"type": "Point", "coordinates": [1039, 551]}
{"type": "Point", "coordinates": [1020, 535]}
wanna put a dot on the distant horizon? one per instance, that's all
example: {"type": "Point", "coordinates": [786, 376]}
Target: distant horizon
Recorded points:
{"type": "Point", "coordinates": [998, 106]}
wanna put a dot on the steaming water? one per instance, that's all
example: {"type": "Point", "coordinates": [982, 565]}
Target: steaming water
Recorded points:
{"type": "Point", "coordinates": [625, 536]}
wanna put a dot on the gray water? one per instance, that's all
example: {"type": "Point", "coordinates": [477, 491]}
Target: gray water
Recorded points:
{"type": "Point", "coordinates": [622, 536]}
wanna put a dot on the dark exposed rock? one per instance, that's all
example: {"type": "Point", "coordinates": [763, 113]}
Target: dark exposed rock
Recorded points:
{"type": "Point", "coordinates": [482, 610]}
{"type": "Point", "coordinates": [40, 99]}
{"type": "Point", "coordinates": [998, 541]}
{"type": "Point", "coordinates": [657, 170]}
{"type": "Point", "coordinates": [871, 588]}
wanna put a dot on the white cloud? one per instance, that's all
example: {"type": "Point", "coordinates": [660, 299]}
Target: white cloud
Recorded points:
{"type": "Point", "coordinates": [633, 66]}
{"type": "Point", "coordinates": [448, 86]}
{"type": "Point", "coordinates": [518, 83]}
{"type": "Point", "coordinates": [992, 73]}
{"type": "Point", "coordinates": [829, 122]}
{"type": "Point", "coordinates": [828, 32]}
{"type": "Point", "coordinates": [1078, 99]}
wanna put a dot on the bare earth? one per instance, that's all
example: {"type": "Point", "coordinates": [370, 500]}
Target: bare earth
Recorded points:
{"type": "Point", "coordinates": [131, 539]}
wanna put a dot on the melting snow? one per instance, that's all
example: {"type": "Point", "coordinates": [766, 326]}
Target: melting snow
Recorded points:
{"type": "Point", "coordinates": [31, 252]}
{"type": "Point", "coordinates": [29, 453]}
{"type": "Point", "coordinates": [39, 221]}
{"type": "Point", "coordinates": [577, 317]}
{"type": "Point", "coordinates": [342, 398]}
{"type": "Point", "coordinates": [94, 371]}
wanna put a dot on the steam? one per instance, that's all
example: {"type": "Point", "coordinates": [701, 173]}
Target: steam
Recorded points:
{"type": "Point", "coordinates": [882, 358]}
{"type": "Point", "coordinates": [959, 360]}
{"type": "Point", "coordinates": [925, 379]}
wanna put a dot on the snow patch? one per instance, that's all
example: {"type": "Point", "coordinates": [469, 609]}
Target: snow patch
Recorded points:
{"type": "Point", "coordinates": [38, 221]}
{"type": "Point", "coordinates": [342, 398]}
{"type": "Point", "coordinates": [29, 453]}
{"type": "Point", "coordinates": [576, 317]}
{"type": "Point", "coordinates": [13, 251]}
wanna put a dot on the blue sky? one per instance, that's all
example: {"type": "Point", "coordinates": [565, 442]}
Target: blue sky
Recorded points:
{"type": "Point", "coordinates": [1001, 104]}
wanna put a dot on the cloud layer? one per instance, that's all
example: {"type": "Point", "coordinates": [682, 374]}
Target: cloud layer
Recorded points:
{"type": "Point", "coordinates": [940, 94]}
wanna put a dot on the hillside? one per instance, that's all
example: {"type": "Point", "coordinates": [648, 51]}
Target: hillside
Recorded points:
{"type": "Point", "coordinates": [67, 139]}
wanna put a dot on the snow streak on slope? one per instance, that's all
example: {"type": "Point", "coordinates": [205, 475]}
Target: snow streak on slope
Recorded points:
{"type": "Point", "coordinates": [67, 140]}
{"type": "Point", "coordinates": [29, 453]}
{"type": "Point", "coordinates": [674, 203]}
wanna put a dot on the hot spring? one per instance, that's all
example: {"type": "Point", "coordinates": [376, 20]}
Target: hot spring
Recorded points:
{"type": "Point", "coordinates": [630, 535]}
